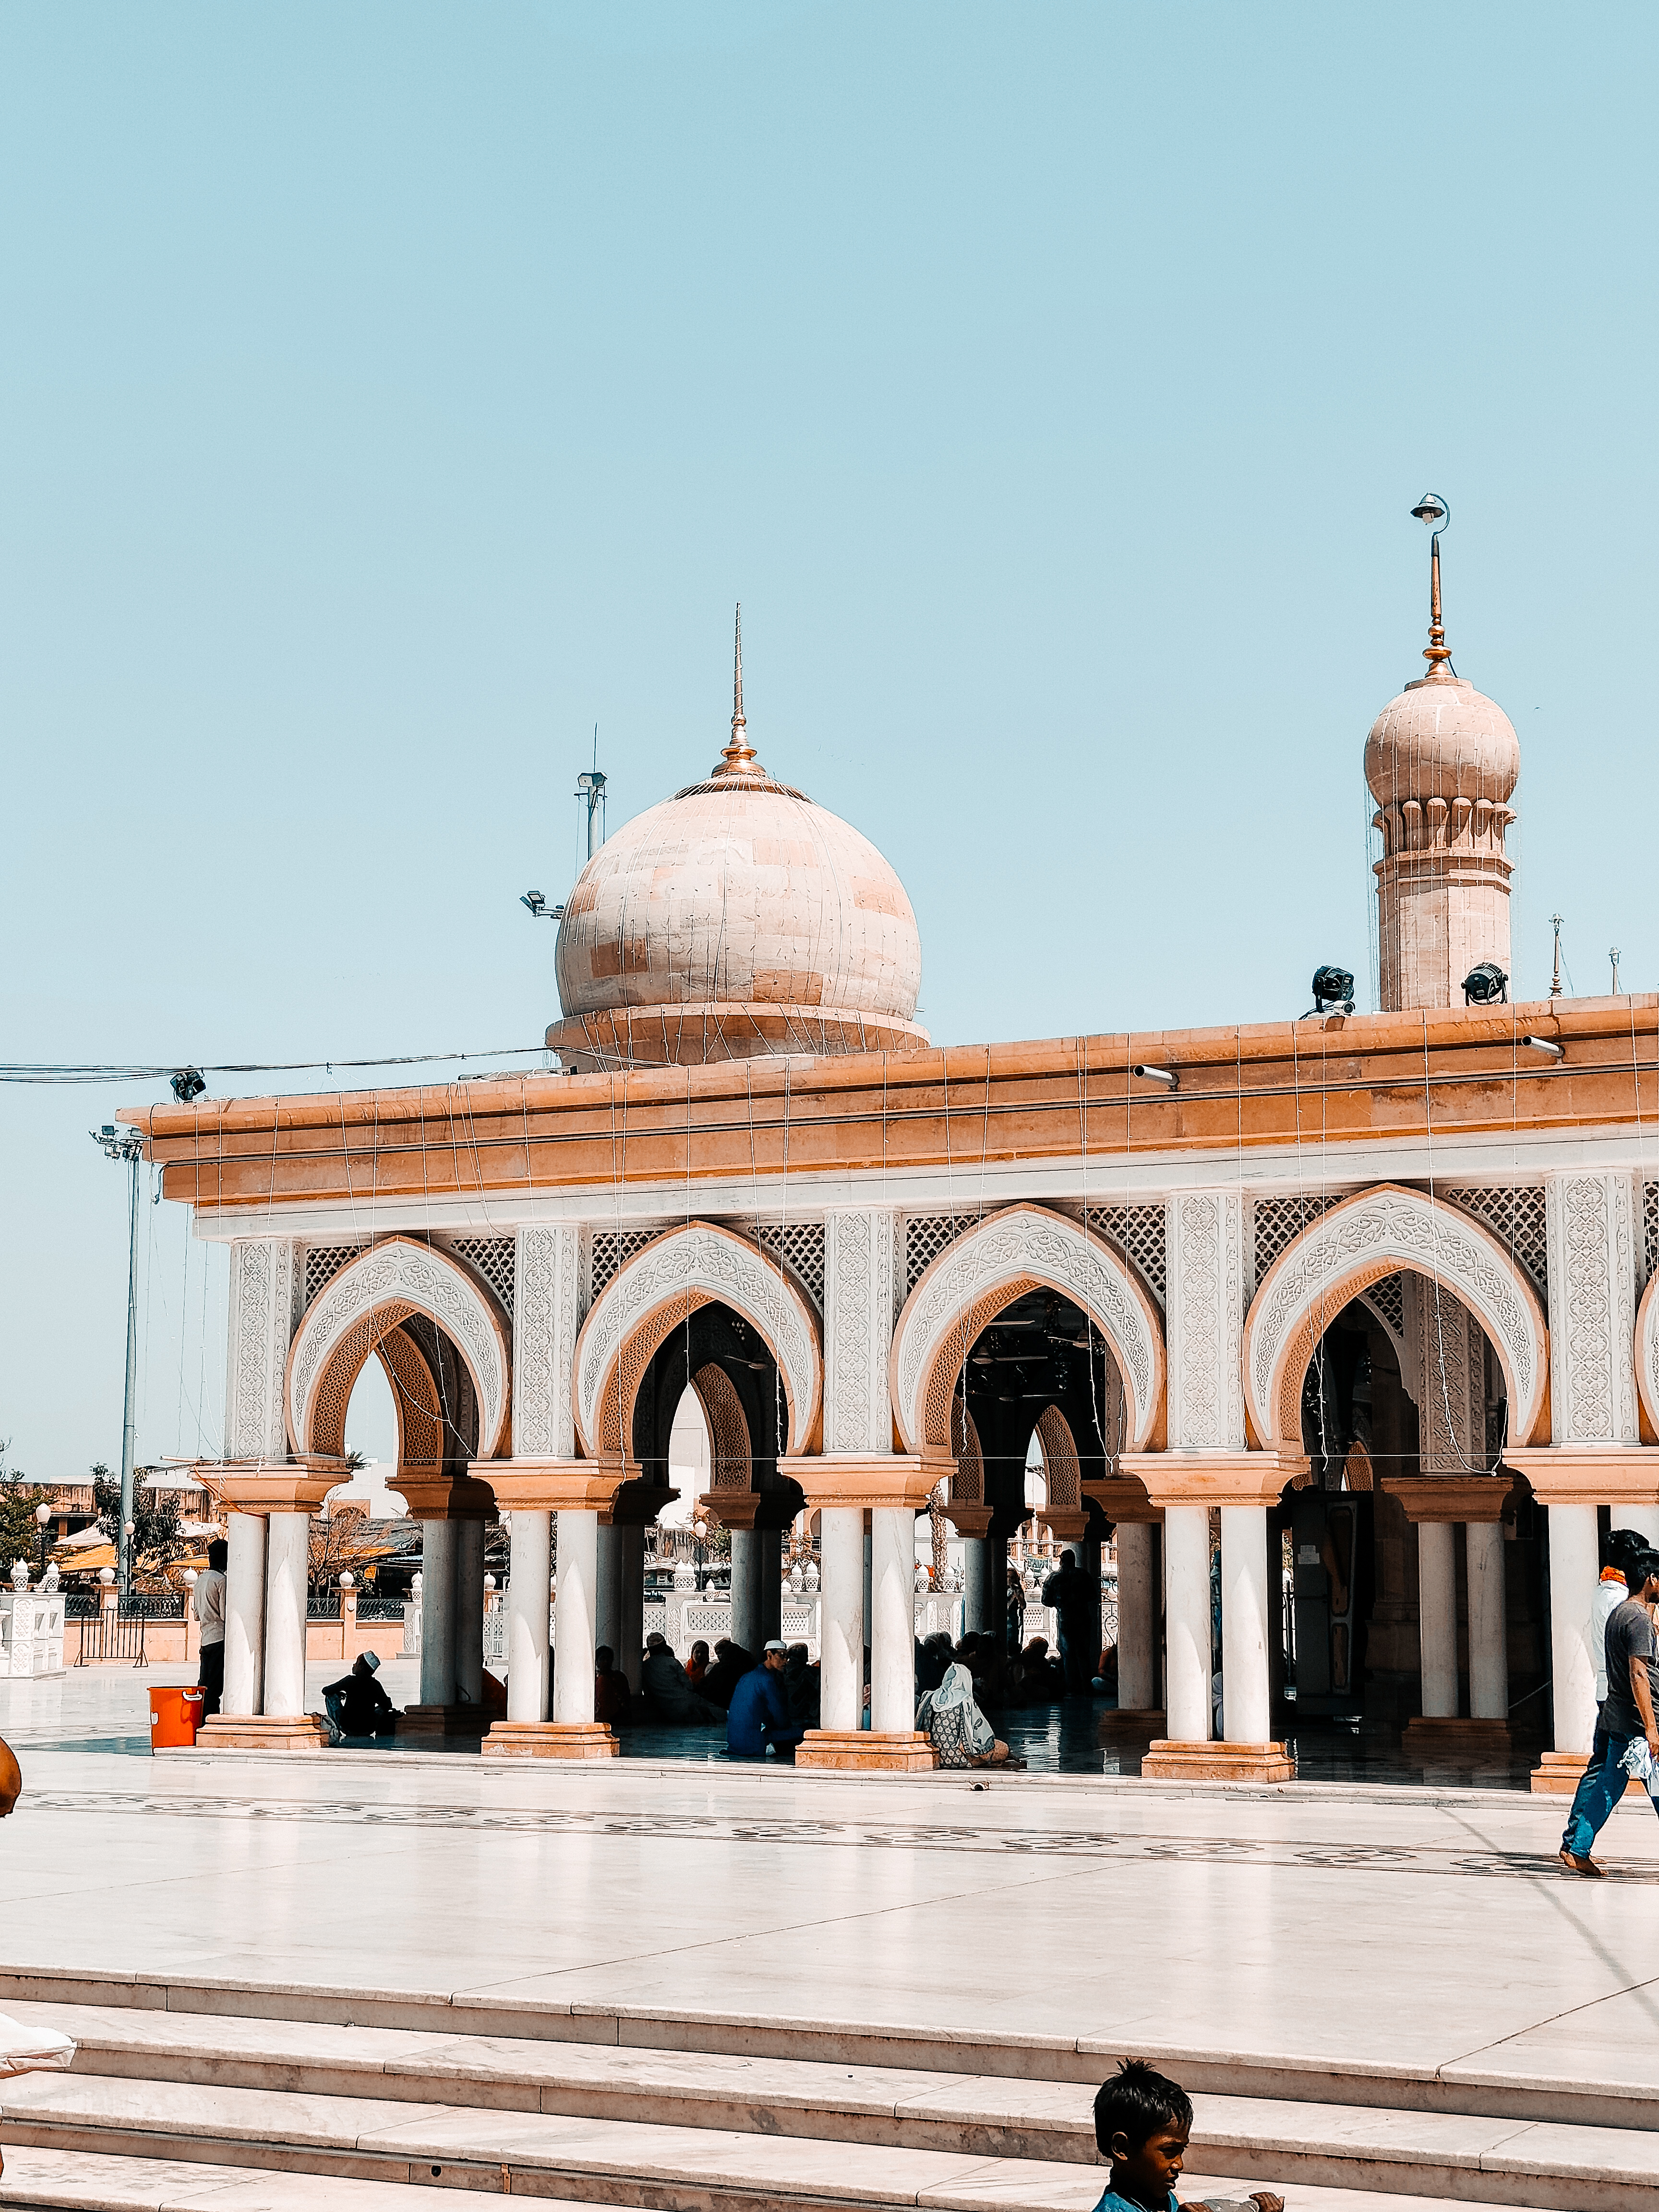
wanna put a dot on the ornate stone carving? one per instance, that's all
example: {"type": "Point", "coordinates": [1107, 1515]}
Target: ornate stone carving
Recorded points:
{"type": "Point", "coordinates": [685, 1269]}
{"type": "Point", "coordinates": [549, 1277]}
{"type": "Point", "coordinates": [1025, 1245]}
{"type": "Point", "coordinates": [861, 1277]}
{"type": "Point", "coordinates": [1206, 1236]}
{"type": "Point", "coordinates": [1354, 1245]}
{"type": "Point", "coordinates": [266, 1288]}
{"type": "Point", "coordinates": [1591, 1224]}
{"type": "Point", "coordinates": [412, 1278]}
{"type": "Point", "coordinates": [1447, 1353]}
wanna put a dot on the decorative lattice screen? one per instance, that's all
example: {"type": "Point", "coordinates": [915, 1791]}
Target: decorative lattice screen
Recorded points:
{"type": "Point", "coordinates": [798, 1244]}
{"type": "Point", "coordinates": [1279, 1221]}
{"type": "Point", "coordinates": [611, 1248]}
{"type": "Point", "coordinates": [1515, 1215]}
{"type": "Point", "coordinates": [1138, 1232]}
{"type": "Point", "coordinates": [491, 1259]}
{"type": "Point", "coordinates": [324, 1262]}
{"type": "Point", "coordinates": [926, 1234]}
{"type": "Point", "coordinates": [1650, 1226]}
{"type": "Point", "coordinates": [1388, 1299]}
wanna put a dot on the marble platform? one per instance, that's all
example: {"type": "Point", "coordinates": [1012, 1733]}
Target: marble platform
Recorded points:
{"type": "Point", "coordinates": [1377, 1994]}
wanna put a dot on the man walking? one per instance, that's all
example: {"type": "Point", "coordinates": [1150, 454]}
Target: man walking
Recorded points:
{"type": "Point", "coordinates": [1628, 1711]}
{"type": "Point", "coordinates": [1622, 1545]}
{"type": "Point", "coordinates": [207, 1604]}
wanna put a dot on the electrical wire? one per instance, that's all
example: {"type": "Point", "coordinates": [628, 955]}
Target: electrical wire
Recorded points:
{"type": "Point", "coordinates": [17, 1071]}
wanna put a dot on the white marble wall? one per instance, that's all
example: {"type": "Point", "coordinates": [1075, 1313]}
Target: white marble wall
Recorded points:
{"type": "Point", "coordinates": [863, 1278]}
{"type": "Point", "coordinates": [549, 1290]}
{"type": "Point", "coordinates": [267, 1284]}
{"type": "Point", "coordinates": [1208, 1240]}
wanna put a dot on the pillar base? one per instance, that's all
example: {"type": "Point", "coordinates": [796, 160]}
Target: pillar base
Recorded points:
{"type": "Point", "coordinates": [422, 1723]}
{"type": "Point", "coordinates": [1556, 1772]}
{"type": "Point", "coordinates": [551, 1739]}
{"type": "Point", "coordinates": [865, 1751]}
{"type": "Point", "coordinates": [1438, 1739]}
{"type": "Point", "coordinates": [1130, 1726]}
{"type": "Point", "coordinates": [1166, 1761]}
{"type": "Point", "coordinates": [263, 1732]}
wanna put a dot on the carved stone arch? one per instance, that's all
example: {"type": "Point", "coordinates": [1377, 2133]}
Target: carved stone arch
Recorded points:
{"type": "Point", "coordinates": [419, 1405]}
{"type": "Point", "coordinates": [370, 1297]}
{"type": "Point", "coordinates": [652, 1293]}
{"type": "Point", "coordinates": [961, 1293]}
{"type": "Point", "coordinates": [730, 1447]}
{"type": "Point", "coordinates": [1062, 1471]}
{"type": "Point", "coordinates": [1354, 1244]}
{"type": "Point", "coordinates": [1647, 1353]}
{"type": "Point", "coordinates": [968, 1483]}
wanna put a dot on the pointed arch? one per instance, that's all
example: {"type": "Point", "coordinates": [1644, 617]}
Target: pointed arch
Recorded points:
{"type": "Point", "coordinates": [961, 1291]}
{"type": "Point", "coordinates": [1339, 1255]}
{"type": "Point", "coordinates": [358, 1311]}
{"type": "Point", "coordinates": [653, 1291]}
{"type": "Point", "coordinates": [1062, 1472]}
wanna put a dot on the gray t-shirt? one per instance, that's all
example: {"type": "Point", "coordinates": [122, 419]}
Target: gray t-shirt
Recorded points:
{"type": "Point", "coordinates": [1629, 1636]}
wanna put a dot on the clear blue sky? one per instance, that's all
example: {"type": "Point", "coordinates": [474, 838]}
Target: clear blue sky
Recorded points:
{"type": "Point", "coordinates": [390, 392]}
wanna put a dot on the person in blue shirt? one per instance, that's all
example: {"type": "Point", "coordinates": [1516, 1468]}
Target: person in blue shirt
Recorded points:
{"type": "Point", "coordinates": [759, 1712]}
{"type": "Point", "coordinates": [1142, 2123]}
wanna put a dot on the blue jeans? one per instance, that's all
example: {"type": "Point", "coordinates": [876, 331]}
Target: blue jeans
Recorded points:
{"type": "Point", "coordinates": [1598, 1752]}
{"type": "Point", "coordinates": [1597, 1796]}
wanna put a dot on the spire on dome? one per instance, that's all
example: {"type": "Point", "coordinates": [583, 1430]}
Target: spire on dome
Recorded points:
{"type": "Point", "coordinates": [1433, 510]}
{"type": "Point", "coordinates": [737, 757]}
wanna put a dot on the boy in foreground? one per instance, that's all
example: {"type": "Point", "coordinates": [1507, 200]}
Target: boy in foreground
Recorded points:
{"type": "Point", "coordinates": [1142, 2122]}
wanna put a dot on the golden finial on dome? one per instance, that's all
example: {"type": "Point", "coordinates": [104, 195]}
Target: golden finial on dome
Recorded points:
{"type": "Point", "coordinates": [737, 757]}
{"type": "Point", "coordinates": [1433, 510]}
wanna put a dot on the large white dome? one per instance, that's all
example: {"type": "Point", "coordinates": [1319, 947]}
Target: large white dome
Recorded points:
{"type": "Point", "coordinates": [733, 920]}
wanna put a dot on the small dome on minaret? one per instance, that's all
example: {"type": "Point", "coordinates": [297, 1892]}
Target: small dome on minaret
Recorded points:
{"type": "Point", "coordinates": [1441, 761]}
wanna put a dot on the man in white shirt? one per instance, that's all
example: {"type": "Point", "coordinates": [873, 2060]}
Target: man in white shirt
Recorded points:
{"type": "Point", "coordinates": [207, 1604]}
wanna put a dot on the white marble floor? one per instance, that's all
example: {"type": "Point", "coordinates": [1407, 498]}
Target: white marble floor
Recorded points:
{"type": "Point", "coordinates": [1357, 1928]}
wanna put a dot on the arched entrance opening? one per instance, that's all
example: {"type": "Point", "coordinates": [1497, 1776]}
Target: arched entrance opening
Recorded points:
{"type": "Point", "coordinates": [1413, 1574]}
{"type": "Point", "coordinates": [722, 1361]}
{"type": "Point", "coordinates": [1040, 1399]}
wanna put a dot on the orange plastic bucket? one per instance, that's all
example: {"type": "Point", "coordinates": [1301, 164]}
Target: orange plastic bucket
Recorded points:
{"type": "Point", "coordinates": [175, 1716]}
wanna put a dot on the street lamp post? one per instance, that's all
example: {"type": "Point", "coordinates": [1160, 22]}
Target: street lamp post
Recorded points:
{"type": "Point", "coordinates": [42, 1514]}
{"type": "Point", "coordinates": [128, 1145]}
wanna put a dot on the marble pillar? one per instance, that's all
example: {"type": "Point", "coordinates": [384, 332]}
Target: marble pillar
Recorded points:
{"type": "Point", "coordinates": [748, 1631]}
{"type": "Point", "coordinates": [1437, 1603]}
{"type": "Point", "coordinates": [287, 1542]}
{"type": "Point", "coordinates": [526, 1616]}
{"type": "Point", "coordinates": [893, 1645]}
{"type": "Point", "coordinates": [976, 1616]}
{"type": "Point", "coordinates": [469, 1612]}
{"type": "Point", "coordinates": [438, 1612]}
{"type": "Point", "coordinates": [841, 1537]}
{"type": "Point", "coordinates": [768, 1577]}
{"type": "Point", "coordinates": [245, 1616]}
{"type": "Point", "coordinates": [1245, 1624]}
{"type": "Point", "coordinates": [575, 1613]}
{"type": "Point", "coordinates": [630, 1647]}
{"type": "Point", "coordinates": [1137, 1617]}
{"type": "Point", "coordinates": [1489, 1660]}
{"type": "Point", "coordinates": [1575, 1569]}
{"type": "Point", "coordinates": [1187, 1610]}
{"type": "Point", "coordinates": [608, 1569]}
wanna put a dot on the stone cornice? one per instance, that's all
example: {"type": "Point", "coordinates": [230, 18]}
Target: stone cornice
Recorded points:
{"type": "Point", "coordinates": [1218, 1478]}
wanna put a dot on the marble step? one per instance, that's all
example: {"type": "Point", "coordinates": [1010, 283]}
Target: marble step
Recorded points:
{"type": "Point", "coordinates": [1486, 2084]}
{"type": "Point", "coordinates": [645, 2164]}
{"type": "Point", "coordinates": [96, 2181]}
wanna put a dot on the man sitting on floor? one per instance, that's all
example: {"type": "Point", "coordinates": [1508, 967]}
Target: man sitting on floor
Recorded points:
{"type": "Point", "coordinates": [669, 1695]}
{"type": "Point", "coordinates": [759, 1713]}
{"type": "Point", "coordinates": [358, 1703]}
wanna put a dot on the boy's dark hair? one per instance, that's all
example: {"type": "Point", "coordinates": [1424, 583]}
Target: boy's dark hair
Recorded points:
{"type": "Point", "coordinates": [1640, 1568]}
{"type": "Point", "coordinates": [1620, 1545]}
{"type": "Point", "coordinates": [218, 1554]}
{"type": "Point", "coordinates": [603, 1659]}
{"type": "Point", "coordinates": [1137, 2102]}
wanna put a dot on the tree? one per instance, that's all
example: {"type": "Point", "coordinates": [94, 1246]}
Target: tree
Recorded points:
{"type": "Point", "coordinates": [20, 1532]}
{"type": "Point", "coordinates": [158, 1533]}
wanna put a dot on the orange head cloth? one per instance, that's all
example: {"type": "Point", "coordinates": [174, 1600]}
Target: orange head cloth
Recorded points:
{"type": "Point", "coordinates": [11, 1779]}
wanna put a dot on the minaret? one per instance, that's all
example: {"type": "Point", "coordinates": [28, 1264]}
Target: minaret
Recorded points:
{"type": "Point", "coordinates": [1441, 761]}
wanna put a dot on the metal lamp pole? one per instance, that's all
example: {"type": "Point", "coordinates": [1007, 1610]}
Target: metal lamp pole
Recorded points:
{"type": "Point", "coordinates": [126, 1145]}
